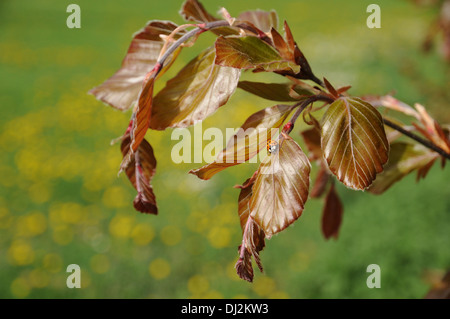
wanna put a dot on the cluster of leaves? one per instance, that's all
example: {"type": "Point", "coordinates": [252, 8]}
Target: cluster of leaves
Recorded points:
{"type": "Point", "coordinates": [349, 142]}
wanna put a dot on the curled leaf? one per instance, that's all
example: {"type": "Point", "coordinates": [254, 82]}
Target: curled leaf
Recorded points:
{"type": "Point", "coordinates": [244, 267]}
{"type": "Point", "coordinates": [354, 142]}
{"type": "Point", "coordinates": [140, 170]}
{"type": "Point", "coordinates": [253, 237]}
{"type": "Point", "coordinates": [140, 119]}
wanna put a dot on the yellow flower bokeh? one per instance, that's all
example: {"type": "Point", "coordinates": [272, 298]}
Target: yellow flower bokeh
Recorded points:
{"type": "Point", "coordinates": [171, 235]}
{"type": "Point", "coordinates": [198, 285]}
{"type": "Point", "coordinates": [20, 253]}
{"type": "Point", "coordinates": [100, 264]}
{"type": "Point", "coordinates": [159, 268]}
{"type": "Point", "coordinates": [142, 234]}
{"type": "Point", "coordinates": [20, 288]}
{"type": "Point", "coordinates": [121, 226]}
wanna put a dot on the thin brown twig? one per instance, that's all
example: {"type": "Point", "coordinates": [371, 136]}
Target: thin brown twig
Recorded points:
{"type": "Point", "coordinates": [200, 29]}
{"type": "Point", "coordinates": [417, 138]}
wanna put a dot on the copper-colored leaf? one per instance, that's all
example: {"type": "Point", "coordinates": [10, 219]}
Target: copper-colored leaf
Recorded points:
{"type": "Point", "coordinates": [122, 89]}
{"type": "Point", "coordinates": [443, 135]}
{"type": "Point", "coordinates": [281, 188]}
{"type": "Point", "coordinates": [390, 102]}
{"type": "Point", "coordinates": [274, 91]}
{"type": "Point", "coordinates": [332, 214]}
{"type": "Point", "coordinates": [251, 53]}
{"type": "Point", "coordinates": [312, 140]}
{"type": "Point", "coordinates": [289, 38]}
{"type": "Point", "coordinates": [320, 183]}
{"type": "Point", "coordinates": [431, 128]}
{"type": "Point", "coordinates": [282, 47]}
{"type": "Point", "coordinates": [344, 89]}
{"type": "Point", "coordinates": [249, 140]}
{"type": "Point", "coordinates": [244, 213]}
{"type": "Point", "coordinates": [193, 10]}
{"type": "Point", "coordinates": [263, 20]}
{"type": "Point", "coordinates": [244, 266]}
{"type": "Point", "coordinates": [253, 236]}
{"type": "Point", "coordinates": [255, 241]}
{"type": "Point", "coordinates": [403, 159]}
{"type": "Point", "coordinates": [423, 171]}
{"type": "Point", "coordinates": [195, 93]}
{"type": "Point", "coordinates": [140, 170]}
{"type": "Point", "coordinates": [303, 86]}
{"type": "Point", "coordinates": [330, 88]}
{"type": "Point", "coordinates": [140, 119]}
{"type": "Point", "coordinates": [354, 142]}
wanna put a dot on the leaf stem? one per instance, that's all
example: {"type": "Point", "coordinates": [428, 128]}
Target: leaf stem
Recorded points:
{"type": "Point", "coordinates": [301, 107]}
{"type": "Point", "coordinates": [417, 138]}
{"type": "Point", "coordinates": [199, 29]}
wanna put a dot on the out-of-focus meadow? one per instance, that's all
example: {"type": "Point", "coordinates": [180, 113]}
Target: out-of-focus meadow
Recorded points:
{"type": "Point", "coordinates": [61, 201]}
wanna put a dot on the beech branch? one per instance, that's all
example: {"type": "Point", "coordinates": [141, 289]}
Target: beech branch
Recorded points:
{"type": "Point", "coordinates": [309, 75]}
{"type": "Point", "coordinates": [203, 27]}
{"type": "Point", "coordinates": [418, 139]}
{"type": "Point", "coordinates": [198, 30]}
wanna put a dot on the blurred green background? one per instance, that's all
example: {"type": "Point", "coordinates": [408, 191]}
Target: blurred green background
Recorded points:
{"type": "Point", "coordinates": [61, 201]}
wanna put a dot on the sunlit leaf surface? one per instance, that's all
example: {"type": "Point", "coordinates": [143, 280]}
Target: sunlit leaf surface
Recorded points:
{"type": "Point", "coordinates": [354, 142]}
{"type": "Point", "coordinates": [248, 141]}
{"type": "Point", "coordinates": [281, 188]}
{"type": "Point", "coordinates": [122, 89]}
{"type": "Point", "coordinates": [195, 93]}
{"type": "Point", "coordinates": [251, 53]}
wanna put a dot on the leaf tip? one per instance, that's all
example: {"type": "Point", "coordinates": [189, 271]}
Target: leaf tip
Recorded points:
{"type": "Point", "coordinates": [144, 206]}
{"type": "Point", "coordinates": [198, 172]}
{"type": "Point", "coordinates": [245, 273]}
